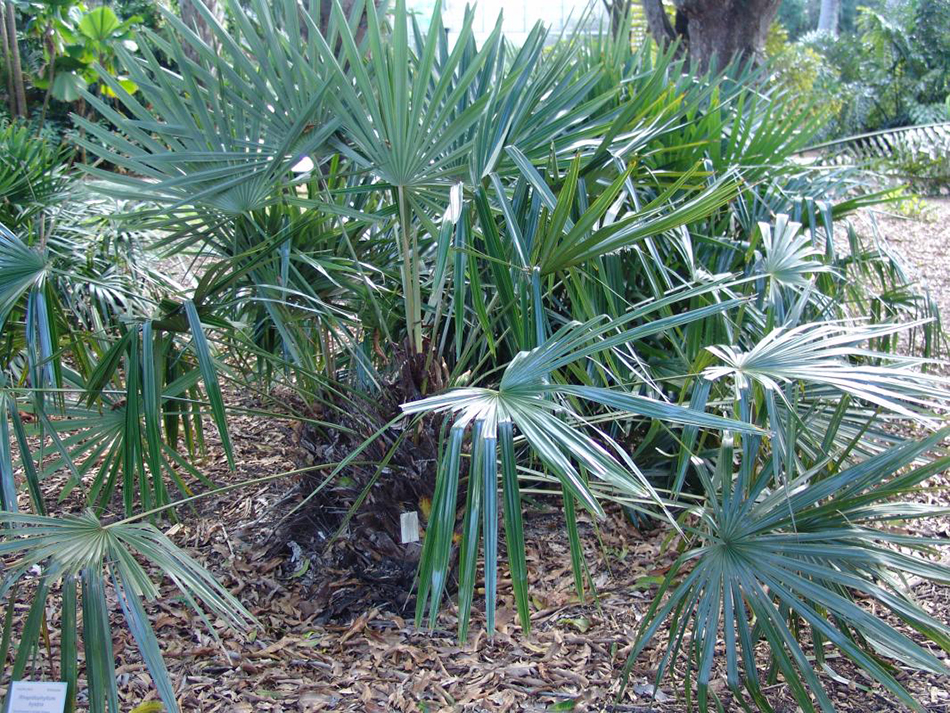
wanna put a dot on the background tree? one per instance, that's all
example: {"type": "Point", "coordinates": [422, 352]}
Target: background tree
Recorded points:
{"type": "Point", "coordinates": [7, 64]}
{"type": "Point", "coordinates": [619, 12]}
{"type": "Point", "coordinates": [195, 19]}
{"type": "Point", "coordinates": [16, 68]}
{"type": "Point", "coordinates": [714, 30]}
{"type": "Point", "coordinates": [828, 18]}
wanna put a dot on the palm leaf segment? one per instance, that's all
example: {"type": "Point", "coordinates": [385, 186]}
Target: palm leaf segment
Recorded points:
{"type": "Point", "coordinates": [529, 399]}
{"type": "Point", "coordinates": [228, 127]}
{"type": "Point", "coordinates": [80, 547]}
{"type": "Point", "coordinates": [21, 269]}
{"type": "Point", "coordinates": [789, 260]}
{"type": "Point", "coordinates": [762, 563]}
{"type": "Point", "coordinates": [822, 353]}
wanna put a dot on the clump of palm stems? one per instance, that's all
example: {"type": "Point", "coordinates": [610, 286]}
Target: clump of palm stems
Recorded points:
{"type": "Point", "coordinates": [623, 278]}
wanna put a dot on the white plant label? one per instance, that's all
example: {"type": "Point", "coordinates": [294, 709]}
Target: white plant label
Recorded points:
{"type": "Point", "coordinates": [409, 524]}
{"type": "Point", "coordinates": [37, 697]}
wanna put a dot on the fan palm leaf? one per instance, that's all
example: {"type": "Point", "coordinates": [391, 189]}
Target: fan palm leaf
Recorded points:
{"type": "Point", "coordinates": [762, 562]}
{"type": "Point", "coordinates": [824, 353]}
{"type": "Point", "coordinates": [81, 547]}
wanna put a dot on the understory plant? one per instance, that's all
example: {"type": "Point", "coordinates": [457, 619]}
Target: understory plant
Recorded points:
{"type": "Point", "coordinates": [594, 272]}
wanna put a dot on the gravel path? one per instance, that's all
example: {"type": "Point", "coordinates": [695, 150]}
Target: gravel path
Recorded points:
{"type": "Point", "coordinates": [924, 241]}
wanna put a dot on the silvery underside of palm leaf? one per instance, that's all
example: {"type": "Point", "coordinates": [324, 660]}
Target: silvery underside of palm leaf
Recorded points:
{"type": "Point", "coordinates": [790, 260]}
{"type": "Point", "coordinates": [837, 356]}
{"type": "Point", "coordinates": [533, 398]}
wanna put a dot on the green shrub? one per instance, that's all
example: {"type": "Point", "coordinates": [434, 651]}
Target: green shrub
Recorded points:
{"type": "Point", "coordinates": [802, 71]}
{"type": "Point", "coordinates": [589, 269]}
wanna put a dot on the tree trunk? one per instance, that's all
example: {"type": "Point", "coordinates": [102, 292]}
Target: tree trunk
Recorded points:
{"type": "Point", "coordinates": [619, 12]}
{"type": "Point", "coordinates": [828, 17]}
{"type": "Point", "coordinates": [714, 32]}
{"type": "Point", "coordinates": [16, 68]}
{"type": "Point", "coordinates": [658, 22]}
{"type": "Point", "coordinates": [8, 67]}
{"type": "Point", "coordinates": [194, 19]}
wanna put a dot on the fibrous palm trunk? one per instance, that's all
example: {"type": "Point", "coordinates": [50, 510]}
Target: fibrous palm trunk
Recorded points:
{"type": "Point", "coordinates": [350, 528]}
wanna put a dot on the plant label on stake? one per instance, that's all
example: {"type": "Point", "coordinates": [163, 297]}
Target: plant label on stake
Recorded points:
{"type": "Point", "coordinates": [409, 526]}
{"type": "Point", "coordinates": [37, 697]}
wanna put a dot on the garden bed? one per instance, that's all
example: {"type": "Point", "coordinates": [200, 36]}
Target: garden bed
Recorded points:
{"type": "Point", "coordinates": [302, 658]}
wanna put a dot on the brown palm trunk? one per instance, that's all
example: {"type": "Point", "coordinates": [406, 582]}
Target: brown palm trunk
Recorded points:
{"type": "Point", "coordinates": [8, 67]}
{"type": "Point", "coordinates": [16, 68]}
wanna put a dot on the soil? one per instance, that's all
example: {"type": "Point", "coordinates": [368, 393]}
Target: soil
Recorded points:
{"type": "Point", "coordinates": [327, 642]}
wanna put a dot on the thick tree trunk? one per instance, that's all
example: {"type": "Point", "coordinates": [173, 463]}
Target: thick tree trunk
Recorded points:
{"type": "Point", "coordinates": [828, 17]}
{"type": "Point", "coordinates": [714, 32]}
{"type": "Point", "coordinates": [658, 22]}
{"type": "Point", "coordinates": [16, 67]}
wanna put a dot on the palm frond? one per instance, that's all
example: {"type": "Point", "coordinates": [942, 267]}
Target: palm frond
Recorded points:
{"type": "Point", "coordinates": [762, 565]}
{"type": "Point", "coordinates": [81, 547]}
{"type": "Point", "coordinates": [828, 354]}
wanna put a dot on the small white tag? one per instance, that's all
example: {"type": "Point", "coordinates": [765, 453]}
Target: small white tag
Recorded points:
{"type": "Point", "coordinates": [32, 697]}
{"type": "Point", "coordinates": [409, 524]}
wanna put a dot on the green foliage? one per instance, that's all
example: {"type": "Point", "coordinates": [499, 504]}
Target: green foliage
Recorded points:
{"type": "Point", "coordinates": [892, 70]}
{"type": "Point", "coordinates": [918, 156]}
{"type": "Point", "coordinates": [74, 39]}
{"type": "Point", "coordinates": [81, 550]}
{"type": "Point", "coordinates": [32, 169]}
{"type": "Point", "coordinates": [594, 266]}
{"type": "Point", "coordinates": [799, 17]}
{"type": "Point", "coordinates": [90, 385]}
{"type": "Point", "coordinates": [769, 564]}
{"type": "Point", "coordinates": [888, 72]}
{"type": "Point", "coordinates": [802, 71]}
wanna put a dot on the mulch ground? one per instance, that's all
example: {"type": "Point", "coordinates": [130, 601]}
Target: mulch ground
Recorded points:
{"type": "Point", "coordinates": [378, 661]}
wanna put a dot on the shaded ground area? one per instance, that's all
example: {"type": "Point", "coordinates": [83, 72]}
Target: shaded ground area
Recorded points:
{"type": "Point", "coordinates": [301, 659]}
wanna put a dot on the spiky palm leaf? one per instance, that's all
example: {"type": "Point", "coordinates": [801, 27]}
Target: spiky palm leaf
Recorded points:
{"type": "Point", "coordinates": [530, 399]}
{"type": "Point", "coordinates": [765, 564]}
{"type": "Point", "coordinates": [826, 353]}
{"type": "Point", "coordinates": [81, 549]}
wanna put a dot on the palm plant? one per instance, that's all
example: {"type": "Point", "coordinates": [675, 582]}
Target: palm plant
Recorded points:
{"type": "Point", "coordinates": [531, 398]}
{"type": "Point", "coordinates": [67, 288]}
{"type": "Point", "coordinates": [766, 563]}
{"type": "Point", "coordinates": [80, 550]}
{"type": "Point", "coordinates": [31, 171]}
{"type": "Point", "coordinates": [604, 257]}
